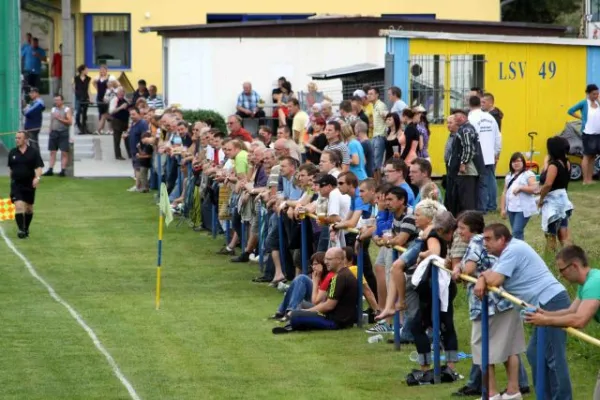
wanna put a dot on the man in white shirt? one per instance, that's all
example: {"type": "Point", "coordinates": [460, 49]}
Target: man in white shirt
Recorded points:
{"type": "Point", "coordinates": [491, 144]}
{"type": "Point", "coordinates": [395, 96]}
{"type": "Point", "coordinates": [338, 206]}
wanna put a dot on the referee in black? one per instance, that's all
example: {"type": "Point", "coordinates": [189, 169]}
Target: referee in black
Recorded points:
{"type": "Point", "coordinates": [25, 163]}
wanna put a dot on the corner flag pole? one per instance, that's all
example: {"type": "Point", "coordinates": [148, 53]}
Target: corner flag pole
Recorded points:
{"type": "Point", "coordinates": [159, 260]}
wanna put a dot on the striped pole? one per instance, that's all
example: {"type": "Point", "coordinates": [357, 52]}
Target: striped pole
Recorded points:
{"type": "Point", "coordinates": [359, 278]}
{"type": "Point", "coordinates": [485, 349]}
{"type": "Point", "coordinates": [435, 297]}
{"type": "Point", "coordinates": [396, 315]}
{"type": "Point", "coordinates": [159, 258]}
{"type": "Point", "coordinates": [540, 373]}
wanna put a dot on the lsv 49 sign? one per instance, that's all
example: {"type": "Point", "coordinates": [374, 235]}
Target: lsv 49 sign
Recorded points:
{"type": "Point", "coordinates": [513, 70]}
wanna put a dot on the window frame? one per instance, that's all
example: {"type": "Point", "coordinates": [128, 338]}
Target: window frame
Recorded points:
{"type": "Point", "coordinates": [88, 41]}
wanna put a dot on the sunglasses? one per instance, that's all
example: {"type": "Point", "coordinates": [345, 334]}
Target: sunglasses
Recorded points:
{"type": "Point", "coordinates": [561, 270]}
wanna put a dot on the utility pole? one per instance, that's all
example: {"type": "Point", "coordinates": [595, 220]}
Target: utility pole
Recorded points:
{"type": "Point", "coordinates": [68, 53]}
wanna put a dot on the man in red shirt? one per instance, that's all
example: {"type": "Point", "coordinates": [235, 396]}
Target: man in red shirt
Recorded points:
{"type": "Point", "coordinates": [236, 131]}
{"type": "Point", "coordinates": [57, 71]}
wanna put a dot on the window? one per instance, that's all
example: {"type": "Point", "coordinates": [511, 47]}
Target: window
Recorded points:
{"type": "Point", "coordinates": [595, 10]}
{"type": "Point", "coordinates": [107, 40]}
{"type": "Point", "coordinates": [466, 72]}
{"type": "Point", "coordinates": [427, 75]}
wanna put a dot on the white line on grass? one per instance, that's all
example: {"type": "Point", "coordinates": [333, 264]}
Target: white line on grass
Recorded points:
{"type": "Point", "coordinates": [74, 314]}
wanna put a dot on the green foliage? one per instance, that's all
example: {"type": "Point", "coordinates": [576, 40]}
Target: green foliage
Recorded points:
{"type": "Point", "coordinates": [214, 119]}
{"type": "Point", "coordinates": [539, 11]}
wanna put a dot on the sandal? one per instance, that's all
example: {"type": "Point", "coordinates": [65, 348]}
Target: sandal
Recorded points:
{"type": "Point", "coordinates": [277, 282]}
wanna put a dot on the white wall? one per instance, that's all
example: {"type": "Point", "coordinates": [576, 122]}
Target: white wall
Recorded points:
{"type": "Point", "coordinates": [208, 73]}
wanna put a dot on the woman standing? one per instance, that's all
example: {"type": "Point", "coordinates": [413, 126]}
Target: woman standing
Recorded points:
{"type": "Point", "coordinates": [423, 128]}
{"type": "Point", "coordinates": [101, 85]}
{"type": "Point", "coordinates": [518, 201]}
{"type": "Point", "coordinates": [506, 332]}
{"type": "Point", "coordinates": [554, 200]}
{"type": "Point", "coordinates": [81, 85]}
{"type": "Point", "coordinates": [409, 140]}
{"type": "Point", "coordinates": [589, 114]}
{"type": "Point", "coordinates": [394, 131]}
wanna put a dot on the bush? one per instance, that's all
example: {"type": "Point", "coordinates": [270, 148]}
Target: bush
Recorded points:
{"type": "Point", "coordinates": [213, 118]}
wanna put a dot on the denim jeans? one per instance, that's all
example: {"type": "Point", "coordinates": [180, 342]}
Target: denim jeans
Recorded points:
{"type": "Point", "coordinates": [300, 289]}
{"type": "Point", "coordinates": [323, 239]}
{"type": "Point", "coordinates": [488, 191]}
{"type": "Point", "coordinates": [517, 224]}
{"type": "Point", "coordinates": [475, 376]}
{"type": "Point", "coordinates": [378, 143]}
{"type": "Point", "coordinates": [558, 381]}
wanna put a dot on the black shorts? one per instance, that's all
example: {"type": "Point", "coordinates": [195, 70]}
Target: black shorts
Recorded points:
{"type": "Point", "coordinates": [22, 192]}
{"type": "Point", "coordinates": [58, 140]}
{"type": "Point", "coordinates": [102, 109]}
{"type": "Point", "coordinates": [591, 144]}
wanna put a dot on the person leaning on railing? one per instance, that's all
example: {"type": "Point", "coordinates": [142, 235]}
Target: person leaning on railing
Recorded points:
{"type": "Point", "coordinates": [572, 264]}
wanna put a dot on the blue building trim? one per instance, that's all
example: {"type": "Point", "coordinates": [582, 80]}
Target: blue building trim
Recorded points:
{"type": "Point", "coordinates": [593, 65]}
{"type": "Point", "coordinates": [223, 18]}
{"type": "Point", "coordinates": [400, 47]}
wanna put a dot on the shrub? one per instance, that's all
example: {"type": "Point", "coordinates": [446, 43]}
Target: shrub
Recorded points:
{"type": "Point", "coordinates": [215, 119]}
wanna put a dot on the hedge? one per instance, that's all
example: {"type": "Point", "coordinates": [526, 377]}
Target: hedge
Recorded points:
{"type": "Point", "coordinates": [214, 119]}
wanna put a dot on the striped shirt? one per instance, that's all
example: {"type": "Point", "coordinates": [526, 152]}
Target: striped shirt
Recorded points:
{"type": "Point", "coordinates": [157, 102]}
{"type": "Point", "coordinates": [342, 148]}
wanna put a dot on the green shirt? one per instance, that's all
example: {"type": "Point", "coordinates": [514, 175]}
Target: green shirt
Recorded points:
{"type": "Point", "coordinates": [590, 290]}
{"type": "Point", "coordinates": [241, 162]}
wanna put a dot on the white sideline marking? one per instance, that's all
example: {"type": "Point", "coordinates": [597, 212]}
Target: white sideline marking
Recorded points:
{"type": "Point", "coordinates": [74, 314]}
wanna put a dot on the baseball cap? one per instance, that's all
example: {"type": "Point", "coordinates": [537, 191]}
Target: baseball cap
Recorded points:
{"type": "Point", "coordinates": [360, 93]}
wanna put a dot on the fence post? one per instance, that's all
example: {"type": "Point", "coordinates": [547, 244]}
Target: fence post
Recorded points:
{"type": "Point", "coordinates": [215, 214]}
{"type": "Point", "coordinates": [243, 238]}
{"type": "Point", "coordinates": [304, 242]}
{"type": "Point", "coordinates": [227, 232]}
{"type": "Point", "coordinates": [180, 176]}
{"type": "Point", "coordinates": [260, 237]}
{"type": "Point", "coordinates": [159, 170]}
{"type": "Point", "coordinates": [485, 349]}
{"type": "Point", "coordinates": [396, 315]}
{"type": "Point", "coordinates": [359, 279]}
{"type": "Point", "coordinates": [435, 297]}
{"type": "Point", "coordinates": [540, 373]}
{"type": "Point", "coordinates": [282, 246]}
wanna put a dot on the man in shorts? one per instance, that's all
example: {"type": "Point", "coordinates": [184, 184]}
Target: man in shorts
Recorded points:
{"type": "Point", "coordinates": [61, 119]}
{"type": "Point", "coordinates": [25, 164]}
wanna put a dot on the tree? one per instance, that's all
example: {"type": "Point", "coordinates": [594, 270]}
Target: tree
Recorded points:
{"type": "Point", "coordinates": [540, 11]}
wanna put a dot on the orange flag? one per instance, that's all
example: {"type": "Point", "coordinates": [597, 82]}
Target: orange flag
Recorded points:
{"type": "Point", "coordinates": [7, 210]}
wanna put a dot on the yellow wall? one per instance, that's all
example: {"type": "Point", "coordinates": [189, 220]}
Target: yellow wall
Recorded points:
{"type": "Point", "coordinates": [147, 50]}
{"type": "Point", "coordinates": [530, 103]}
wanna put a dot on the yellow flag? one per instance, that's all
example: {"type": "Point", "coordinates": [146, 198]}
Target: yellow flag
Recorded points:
{"type": "Point", "coordinates": [165, 205]}
{"type": "Point", "coordinates": [7, 210]}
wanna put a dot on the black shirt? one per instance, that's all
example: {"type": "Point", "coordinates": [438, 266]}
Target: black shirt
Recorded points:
{"type": "Point", "coordinates": [23, 165]}
{"type": "Point", "coordinates": [148, 150]}
{"type": "Point", "coordinates": [343, 288]}
{"type": "Point", "coordinates": [363, 117]}
{"type": "Point", "coordinates": [320, 142]}
{"type": "Point", "coordinates": [563, 176]}
{"type": "Point", "coordinates": [82, 87]}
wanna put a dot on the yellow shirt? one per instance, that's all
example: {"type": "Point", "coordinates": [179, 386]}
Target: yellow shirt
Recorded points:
{"type": "Point", "coordinates": [379, 112]}
{"type": "Point", "coordinates": [368, 109]}
{"type": "Point", "coordinates": [354, 270]}
{"type": "Point", "coordinates": [299, 129]}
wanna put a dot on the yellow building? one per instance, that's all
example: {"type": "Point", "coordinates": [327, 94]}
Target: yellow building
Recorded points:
{"type": "Point", "coordinates": [109, 30]}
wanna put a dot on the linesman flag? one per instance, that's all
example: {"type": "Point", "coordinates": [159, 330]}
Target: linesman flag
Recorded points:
{"type": "Point", "coordinates": [7, 210]}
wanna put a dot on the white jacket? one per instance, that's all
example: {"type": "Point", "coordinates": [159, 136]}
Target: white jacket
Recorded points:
{"type": "Point", "coordinates": [490, 137]}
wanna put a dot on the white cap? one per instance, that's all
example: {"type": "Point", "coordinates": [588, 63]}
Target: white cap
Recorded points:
{"type": "Point", "coordinates": [360, 93]}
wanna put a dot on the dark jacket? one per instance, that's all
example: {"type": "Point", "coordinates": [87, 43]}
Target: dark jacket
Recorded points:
{"type": "Point", "coordinates": [498, 115]}
{"type": "Point", "coordinates": [465, 148]}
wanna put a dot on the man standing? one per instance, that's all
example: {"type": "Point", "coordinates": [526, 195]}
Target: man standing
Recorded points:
{"type": "Point", "coordinates": [572, 264]}
{"type": "Point", "coordinates": [61, 120]}
{"type": "Point", "coordinates": [154, 100]}
{"type": "Point", "coordinates": [339, 310]}
{"type": "Point", "coordinates": [33, 117]}
{"type": "Point", "coordinates": [522, 272]}
{"type": "Point", "coordinates": [34, 56]}
{"type": "Point", "coordinates": [420, 175]}
{"type": "Point", "coordinates": [138, 127]}
{"type": "Point", "coordinates": [491, 144]}
{"type": "Point", "coordinates": [465, 157]}
{"type": "Point", "coordinates": [236, 131]}
{"type": "Point", "coordinates": [118, 110]}
{"type": "Point", "coordinates": [25, 164]}
{"type": "Point", "coordinates": [487, 104]}
{"type": "Point", "coordinates": [57, 71]}
{"type": "Point", "coordinates": [395, 96]}
{"type": "Point", "coordinates": [395, 172]}
{"type": "Point", "coordinates": [380, 110]}
{"type": "Point", "coordinates": [333, 132]}
{"type": "Point", "coordinates": [299, 123]}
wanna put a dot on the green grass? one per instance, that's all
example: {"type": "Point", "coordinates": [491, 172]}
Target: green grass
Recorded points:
{"type": "Point", "coordinates": [96, 245]}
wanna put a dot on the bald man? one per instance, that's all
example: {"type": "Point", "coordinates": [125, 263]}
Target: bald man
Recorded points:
{"type": "Point", "coordinates": [339, 310]}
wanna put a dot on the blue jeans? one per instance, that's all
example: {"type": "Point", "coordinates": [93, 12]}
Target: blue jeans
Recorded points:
{"type": "Point", "coordinates": [300, 289]}
{"type": "Point", "coordinates": [323, 239]}
{"type": "Point", "coordinates": [475, 376]}
{"type": "Point", "coordinates": [517, 224]}
{"type": "Point", "coordinates": [558, 381]}
{"type": "Point", "coordinates": [378, 143]}
{"type": "Point", "coordinates": [488, 191]}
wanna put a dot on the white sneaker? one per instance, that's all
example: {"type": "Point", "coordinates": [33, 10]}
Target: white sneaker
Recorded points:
{"type": "Point", "coordinates": [253, 257]}
{"type": "Point", "coordinates": [132, 189]}
{"type": "Point", "coordinates": [516, 396]}
{"type": "Point", "coordinates": [497, 396]}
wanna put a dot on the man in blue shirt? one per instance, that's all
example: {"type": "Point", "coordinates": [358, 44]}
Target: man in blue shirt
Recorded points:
{"type": "Point", "coordinates": [395, 172]}
{"type": "Point", "coordinates": [33, 56]}
{"type": "Point", "coordinates": [33, 117]}
{"type": "Point", "coordinates": [522, 272]}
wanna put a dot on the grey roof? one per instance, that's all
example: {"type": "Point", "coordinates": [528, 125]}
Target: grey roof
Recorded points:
{"type": "Point", "coordinates": [344, 71]}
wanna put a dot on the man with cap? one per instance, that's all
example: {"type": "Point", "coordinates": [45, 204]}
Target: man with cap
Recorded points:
{"type": "Point", "coordinates": [33, 116]}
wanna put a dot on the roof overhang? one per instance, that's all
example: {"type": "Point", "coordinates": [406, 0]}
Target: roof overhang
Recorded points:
{"type": "Point", "coordinates": [345, 71]}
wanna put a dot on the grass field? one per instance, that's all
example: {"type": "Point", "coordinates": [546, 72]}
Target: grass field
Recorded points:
{"type": "Point", "coordinates": [95, 244]}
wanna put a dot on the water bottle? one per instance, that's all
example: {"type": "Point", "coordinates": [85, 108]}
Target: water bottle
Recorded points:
{"type": "Point", "coordinates": [375, 339]}
{"type": "Point", "coordinates": [365, 318]}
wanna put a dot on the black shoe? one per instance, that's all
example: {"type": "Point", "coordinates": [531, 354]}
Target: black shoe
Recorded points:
{"type": "Point", "coordinates": [22, 234]}
{"type": "Point", "coordinates": [120, 158]}
{"type": "Point", "coordinates": [62, 173]}
{"type": "Point", "coordinates": [278, 330]}
{"type": "Point", "coordinates": [262, 279]}
{"type": "Point", "coordinates": [244, 257]}
{"type": "Point", "coordinates": [277, 315]}
{"type": "Point", "coordinates": [466, 391]}
{"type": "Point", "coordinates": [48, 173]}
